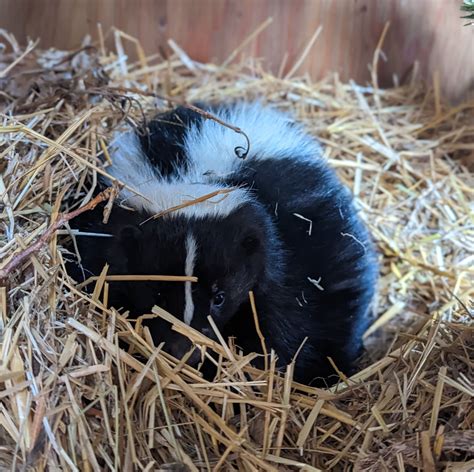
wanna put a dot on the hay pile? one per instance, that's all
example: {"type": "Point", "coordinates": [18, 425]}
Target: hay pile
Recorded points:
{"type": "Point", "coordinates": [71, 399]}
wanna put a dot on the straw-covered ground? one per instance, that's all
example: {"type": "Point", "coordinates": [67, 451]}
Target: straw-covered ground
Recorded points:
{"type": "Point", "coordinates": [71, 399]}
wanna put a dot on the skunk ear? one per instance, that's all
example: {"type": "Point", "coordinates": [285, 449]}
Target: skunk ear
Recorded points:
{"type": "Point", "coordinates": [129, 236]}
{"type": "Point", "coordinates": [250, 243]}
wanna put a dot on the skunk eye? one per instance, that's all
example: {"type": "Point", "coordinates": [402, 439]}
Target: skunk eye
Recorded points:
{"type": "Point", "coordinates": [218, 299]}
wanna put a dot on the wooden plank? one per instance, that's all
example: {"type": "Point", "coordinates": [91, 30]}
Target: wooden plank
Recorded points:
{"type": "Point", "coordinates": [430, 31]}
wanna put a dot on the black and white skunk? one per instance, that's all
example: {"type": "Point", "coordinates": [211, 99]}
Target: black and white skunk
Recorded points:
{"type": "Point", "coordinates": [288, 231]}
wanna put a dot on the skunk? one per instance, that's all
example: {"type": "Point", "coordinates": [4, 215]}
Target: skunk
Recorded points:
{"type": "Point", "coordinates": [278, 223]}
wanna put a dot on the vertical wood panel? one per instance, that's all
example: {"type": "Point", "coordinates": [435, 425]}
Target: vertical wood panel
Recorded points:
{"type": "Point", "coordinates": [430, 31]}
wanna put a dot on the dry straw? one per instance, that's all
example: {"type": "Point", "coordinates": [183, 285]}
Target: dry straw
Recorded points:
{"type": "Point", "coordinates": [72, 399]}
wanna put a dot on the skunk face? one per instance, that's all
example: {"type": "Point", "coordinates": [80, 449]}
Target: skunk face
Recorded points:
{"type": "Point", "coordinates": [227, 255]}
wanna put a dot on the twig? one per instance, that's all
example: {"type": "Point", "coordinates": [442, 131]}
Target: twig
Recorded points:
{"type": "Point", "coordinates": [305, 53]}
{"type": "Point", "coordinates": [139, 278]}
{"type": "Point", "coordinates": [247, 41]}
{"type": "Point", "coordinates": [203, 198]}
{"type": "Point", "coordinates": [60, 221]}
{"type": "Point", "coordinates": [259, 331]}
{"type": "Point", "coordinates": [376, 56]}
{"type": "Point", "coordinates": [31, 46]}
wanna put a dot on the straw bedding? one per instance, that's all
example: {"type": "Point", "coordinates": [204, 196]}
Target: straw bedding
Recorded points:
{"type": "Point", "coordinates": [72, 399]}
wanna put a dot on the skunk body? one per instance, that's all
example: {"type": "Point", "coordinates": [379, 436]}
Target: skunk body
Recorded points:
{"type": "Point", "coordinates": [278, 223]}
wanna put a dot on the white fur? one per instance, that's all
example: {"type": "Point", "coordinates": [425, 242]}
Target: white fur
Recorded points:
{"type": "Point", "coordinates": [191, 251]}
{"type": "Point", "coordinates": [166, 195]}
{"type": "Point", "coordinates": [272, 134]}
{"type": "Point", "coordinates": [129, 164]}
{"type": "Point", "coordinates": [131, 167]}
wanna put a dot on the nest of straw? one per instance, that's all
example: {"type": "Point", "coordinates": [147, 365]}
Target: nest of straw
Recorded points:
{"type": "Point", "coordinates": [72, 399]}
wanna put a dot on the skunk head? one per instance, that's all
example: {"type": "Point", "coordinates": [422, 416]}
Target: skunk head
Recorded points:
{"type": "Point", "coordinates": [228, 255]}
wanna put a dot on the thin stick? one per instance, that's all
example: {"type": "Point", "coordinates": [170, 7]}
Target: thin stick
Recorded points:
{"type": "Point", "coordinates": [239, 150]}
{"type": "Point", "coordinates": [139, 278]}
{"type": "Point", "coordinates": [305, 52]}
{"type": "Point", "coordinates": [375, 59]}
{"type": "Point", "coordinates": [257, 327]}
{"type": "Point", "coordinates": [31, 46]}
{"type": "Point", "coordinates": [188, 203]}
{"type": "Point", "coordinates": [247, 40]}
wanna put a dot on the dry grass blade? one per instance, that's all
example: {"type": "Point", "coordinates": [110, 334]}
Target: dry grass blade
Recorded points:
{"type": "Point", "coordinates": [73, 398]}
{"type": "Point", "coordinates": [17, 259]}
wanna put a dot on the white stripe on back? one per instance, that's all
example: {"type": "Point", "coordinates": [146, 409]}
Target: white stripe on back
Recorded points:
{"type": "Point", "coordinates": [132, 167]}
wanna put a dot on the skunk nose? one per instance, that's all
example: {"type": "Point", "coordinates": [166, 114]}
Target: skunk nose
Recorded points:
{"type": "Point", "coordinates": [181, 347]}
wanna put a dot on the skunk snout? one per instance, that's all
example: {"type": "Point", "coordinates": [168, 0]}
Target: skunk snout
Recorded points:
{"type": "Point", "coordinates": [180, 347]}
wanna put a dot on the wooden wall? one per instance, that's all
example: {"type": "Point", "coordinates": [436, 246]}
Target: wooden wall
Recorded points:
{"type": "Point", "coordinates": [430, 31]}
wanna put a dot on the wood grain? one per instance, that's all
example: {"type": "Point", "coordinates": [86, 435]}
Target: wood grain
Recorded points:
{"type": "Point", "coordinates": [429, 31]}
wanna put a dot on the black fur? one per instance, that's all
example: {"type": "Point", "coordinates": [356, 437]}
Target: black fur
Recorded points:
{"type": "Point", "coordinates": [262, 246]}
{"type": "Point", "coordinates": [162, 140]}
